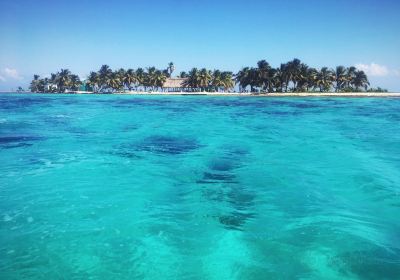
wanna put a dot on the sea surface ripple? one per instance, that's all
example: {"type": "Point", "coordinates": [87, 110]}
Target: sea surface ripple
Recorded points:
{"type": "Point", "coordinates": [186, 187]}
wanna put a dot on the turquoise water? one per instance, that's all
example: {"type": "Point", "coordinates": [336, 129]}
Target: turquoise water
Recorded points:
{"type": "Point", "coordinates": [173, 187]}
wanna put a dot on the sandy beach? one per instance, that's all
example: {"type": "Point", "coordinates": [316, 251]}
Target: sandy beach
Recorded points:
{"type": "Point", "coordinates": [289, 94]}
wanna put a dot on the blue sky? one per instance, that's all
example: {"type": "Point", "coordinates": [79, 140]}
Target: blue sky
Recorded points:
{"type": "Point", "coordinates": [43, 36]}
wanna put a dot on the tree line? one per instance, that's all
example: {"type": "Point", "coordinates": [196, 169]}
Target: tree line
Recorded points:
{"type": "Point", "coordinates": [151, 78]}
{"type": "Point", "coordinates": [59, 82]}
{"type": "Point", "coordinates": [293, 76]}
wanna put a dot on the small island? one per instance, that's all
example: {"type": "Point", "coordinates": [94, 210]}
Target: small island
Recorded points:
{"type": "Point", "coordinates": [293, 78]}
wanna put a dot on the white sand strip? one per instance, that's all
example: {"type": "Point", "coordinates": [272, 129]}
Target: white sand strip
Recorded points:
{"type": "Point", "coordinates": [289, 94]}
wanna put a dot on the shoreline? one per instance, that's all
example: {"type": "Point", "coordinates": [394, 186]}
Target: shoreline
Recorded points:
{"type": "Point", "coordinates": [237, 94]}
{"type": "Point", "coordinates": [289, 94]}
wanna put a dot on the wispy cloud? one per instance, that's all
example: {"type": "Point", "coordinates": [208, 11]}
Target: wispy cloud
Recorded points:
{"type": "Point", "coordinates": [12, 73]}
{"type": "Point", "coordinates": [9, 74]}
{"type": "Point", "coordinates": [373, 69]}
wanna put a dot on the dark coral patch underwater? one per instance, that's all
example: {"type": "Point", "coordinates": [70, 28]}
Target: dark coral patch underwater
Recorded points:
{"type": "Point", "coordinates": [168, 145]}
{"type": "Point", "coordinates": [15, 141]}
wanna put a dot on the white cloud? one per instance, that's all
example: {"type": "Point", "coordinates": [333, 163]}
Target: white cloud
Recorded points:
{"type": "Point", "coordinates": [12, 73]}
{"type": "Point", "coordinates": [373, 69]}
{"type": "Point", "coordinates": [396, 73]}
{"type": "Point", "coordinates": [9, 73]}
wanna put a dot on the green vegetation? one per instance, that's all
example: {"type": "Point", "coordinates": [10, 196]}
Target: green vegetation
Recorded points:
{"type": "Point", "coordinates": [20, 89]}
{"type": "Point", "coordinates": [293, 76]}
{"type": "Point", "coordinates": [206, 80]}
{"type": "Point", "coordinates": [378, 89]}
{"type": "Point", "coordinates": [59, 82]}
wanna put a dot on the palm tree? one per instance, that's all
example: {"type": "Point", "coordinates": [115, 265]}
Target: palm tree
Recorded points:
{"type": "Point", "coordinates": [140, 77]}
{"type": "Point", "coordinates": [75, 82]}
{"type": "Point", "coordinates": [192, 79]}
{"type": "Point", "coordinates": [104, 76]}
{"type": "Point", "coordinates": [53, 79]}
{"type": "Point", "coordinates": [350, 75]}
{"type": "Point", "coordinates": [278, 81]}
{"type": "Point", "coordinates": [312, 75]}
{"type": "Point", "coordinates": [360, 80]}
{"type": "Point", "coordinates": [34, 86]}
{"type": "Point", "coordinates": [227, 80]}
{"type": "Point", "coordinates": [254, 80]}
{"type": "Point", "coordinates": [324, 79]}
{"type": "Point", "coordinates": [222, 80]}
{"type": "Point", "coordinates": [266, 76]}
{"type": "Point", "coordinates": [271, 79]}
{"type": "Point", "coordinates": [46, 84]}
{"type": "Point", "coordinates": [183, 74]}
{"type": "Point", "coordinates": [121, 74]}
{"type": "Point", "coordinates": [171, 68]}
{"type": "Point", "coordinates": [63, 80]}
{"type": "Point", "coordinates": [130, 78]}
{"type": "Point", "coordinates": [159, 78]}
{"type": "Point", "coordinates": [281, 78]}
{"type": "Point", "coordinates": [243, 78]}
{"type": "Point", "coordinates": [204, 79]}
{"type": "Point", "coordinates": [293, 69]}
{"type": "Point", "coordinates": [263, 68]}
{"type": "Point", "coordinates": [42, 83]}
{"type": "Point", "coordinates": [302, 77]}
{"type": "Point", "coordinates": [306, 78]}
{"type": "Point", "coordinates": [150, 77]}
{"type": "Point", "coordinates": [340, 77]}
{"type": "Point", "coordinates": [93, 81]}
{"type": "Point", "coordinates": [216, 81]}
{"type": "Point", "coordinates": [248, 77]}
{"type": "Point", "coordinates": [114, 81]}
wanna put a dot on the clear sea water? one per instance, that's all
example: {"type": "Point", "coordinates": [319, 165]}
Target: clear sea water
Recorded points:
{"type": "Point", "coordinates": [174, 187]}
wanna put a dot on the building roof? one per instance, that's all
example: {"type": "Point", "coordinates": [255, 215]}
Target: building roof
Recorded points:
{"type": "Point", "coordinates": [174, 83]}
